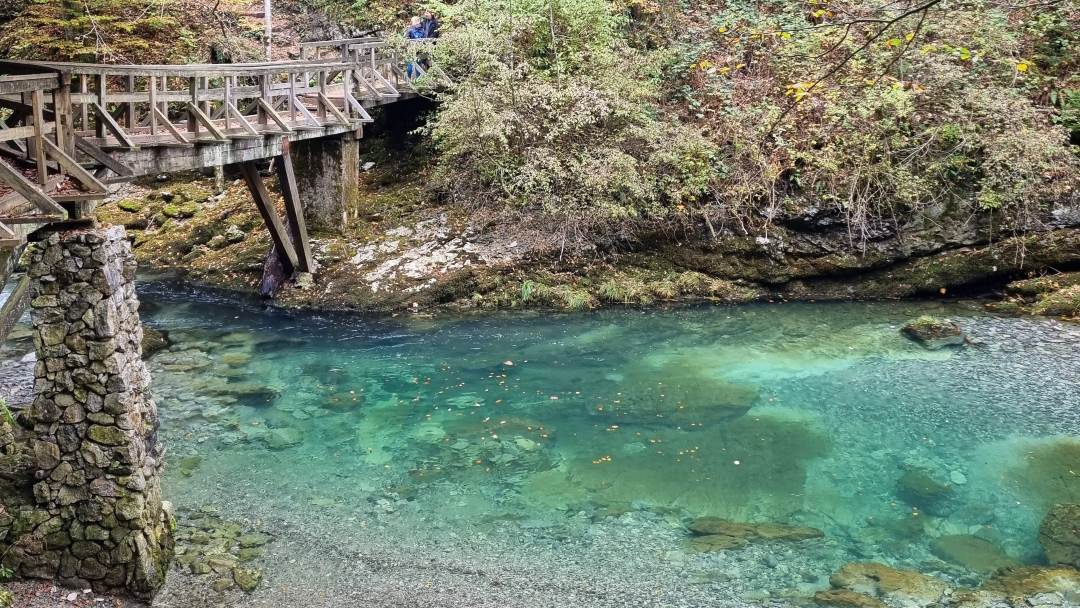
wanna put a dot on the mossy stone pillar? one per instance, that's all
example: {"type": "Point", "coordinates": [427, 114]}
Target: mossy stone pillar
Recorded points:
{"type": "Point", "coordinates": [328, 180]}
{"type": "Point", "coordinates": [96, 457]}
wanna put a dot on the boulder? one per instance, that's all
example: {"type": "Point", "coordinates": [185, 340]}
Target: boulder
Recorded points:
{"type": "Point", "coordinates": [247, 578]}
{"type": "Point", "coordinates": [971, 552]}
{"type": "Point", "coordinates": [1059, 535]}
{"type": "Point", "coordinates": [154, 340]}
{"type": "Point", "coordinates": [917, 488]}
{"type": "Point", "coordinates": [1027, 581]}
{"type": "Point", "coordinates": [1061, 303]}
{"type": "Point", "coordinates": [934, 333]}
{"type": "Point", "coordinates": [717, 534]}
{"type": "Point", "coordinates": [282, 438]}
{"type": "Point", "coordinates": [891, 585]}
{"type": "Point", "coordinates": [843, 598]}
{"type": "Point", "coordinates": [1043, 285]}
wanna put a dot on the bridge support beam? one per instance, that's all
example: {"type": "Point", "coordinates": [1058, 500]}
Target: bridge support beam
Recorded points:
{"type": "Point", "coordinates": [96, 518]}
{"type": "Point", "coordinates": [328, 180]}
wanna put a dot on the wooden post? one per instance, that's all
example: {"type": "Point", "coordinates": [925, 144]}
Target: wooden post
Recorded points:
{"type": "Point", "coordinates": [84, 111]}
{"type": "Point", "coordinates": [205, 105]}
{"type": "Point", "coordinates": [294, 210]}
{"type": "Point", "coordinates": [103, 101]}
{"type": "Point", "coordinates": [270, 217]}
{"type": "Point", "coordinates": [65, 121]}
{"type": "Point", "coordinates": [264, 94]}
{"type": "Point", "coordinates": [228, 100]}
{"type": "Point", "coordinates": [39, 134]}
{"type": "Point", "coordinates": [292, 97]}
{"type": "Point", "coordinates": [151, 88]}
{"type": "Point", "coordinates": [192, 123]}
{"type": "Point", "coordinates": [322, 90]}
{"type": "Point", "coordinates": [132, 121]}
{"type": "Point", "coordinates": [346, 87]}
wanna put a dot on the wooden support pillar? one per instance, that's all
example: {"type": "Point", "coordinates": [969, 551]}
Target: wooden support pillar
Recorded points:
{"type": "Point", "coordinates": [192, 122]}
{"type": "Point", "coordinates": [65, 121]}
{"type": "Point", "coordinates": [151, 89]}
{"type": "Point", "coordinates": [102, 102]}
{"type": "Point", "coordinates": [132, 120]}
{"type": "Point", "coordinates": [293, 209]}
{"type": "Point", "coordinates": [282, 244]}
{"type": "Point", "coordinates": [38, 147]}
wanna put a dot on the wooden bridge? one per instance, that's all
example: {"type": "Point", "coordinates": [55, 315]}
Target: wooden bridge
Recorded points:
{"type": "Point", "coordinates": [70, 130]}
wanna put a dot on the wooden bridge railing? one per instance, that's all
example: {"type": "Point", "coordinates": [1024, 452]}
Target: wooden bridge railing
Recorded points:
{"type": "Point", "coordinates": [65, 128]}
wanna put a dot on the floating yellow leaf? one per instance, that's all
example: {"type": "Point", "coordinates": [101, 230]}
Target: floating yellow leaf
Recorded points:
{"type": "Point", "coordinates": [1022, 66]}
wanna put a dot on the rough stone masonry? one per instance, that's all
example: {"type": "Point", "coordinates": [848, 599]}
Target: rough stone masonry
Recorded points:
{"type": "Point", "coordinates": [97, 518]}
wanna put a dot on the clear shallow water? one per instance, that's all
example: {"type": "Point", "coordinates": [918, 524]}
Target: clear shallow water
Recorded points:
{"type": "Point", "coordinates": [570, 444]}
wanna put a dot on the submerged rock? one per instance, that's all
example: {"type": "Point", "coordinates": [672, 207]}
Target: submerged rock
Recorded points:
{"type": "Point", "coordinates": [154, 340]}
{"type": "Point", "coordinates": [684, 397]}
{"type": "Point", "coordinates": [1059, 535]}
{"type": "Point", "coordinates": [844, 598]}
{"type": "Point", "coordinates": [917, 488]}
{"type": "Point", "coordinates": [892, 585]}
{"type": "Point", "coordinates": [717, 534]}
{"type": "Point", "coordinates": [934, 333]}
{"type": "Point", "coordinates": [247, 578]}
{"type": "Point", "coordinates": [971, 552]}
{"type": "Point", "coordinates": [282, 438]}
{"type": "Point", "coordinates": [1026, 581]}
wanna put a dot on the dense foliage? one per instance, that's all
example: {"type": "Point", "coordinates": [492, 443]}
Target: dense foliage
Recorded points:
{"type": "Point", "coordinates": [554, 113]}
{"type": "Point", "coordinates": [590, 120]}
{"type": "Point", "coordinates": [569, 107]}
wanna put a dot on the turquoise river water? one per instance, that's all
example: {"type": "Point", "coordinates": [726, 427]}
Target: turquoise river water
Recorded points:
{"type": "Point", "coordinates": [535, 459]}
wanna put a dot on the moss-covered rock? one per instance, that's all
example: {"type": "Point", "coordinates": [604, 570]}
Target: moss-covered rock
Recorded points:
{"type": "Point", "coordinates": [180, 210]}
{"type": "Point", "coordinates": [892, 585]}
{"type": "Point", "coordinates": [934, 333]}
{"type": "Point", "coordinates": [131, 205]}
{"type": "Point", "coordinates": [247, 579]}
{"type": "Point", "coordinates": [1061, 303]}
{"type": "Point", "coordinates": [971, 552]}
{"type": "Point", "coordinates": [919, 489]}
{"type": "Point", "coordinates": [154, 340]}
{"type": "Point", "coordinates": [844, 598]}
{"type": "Point", "coordinates": [718, 534]}
{"type": "Point", "coordinates": [1027, 581]}
{"type": "Point", "coordinates": [1043, 285]}
{"type": "Point", "coordinates": [1059, 534]}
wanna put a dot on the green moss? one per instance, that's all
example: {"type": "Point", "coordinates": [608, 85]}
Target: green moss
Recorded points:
{"type": "Point", "coordinates": [180, 210]}
{"type": "Point", "coordinates": [1043, 285]}
{"type": "Point", "coordinates": [131, 205]}
{"type": "Point", "coordinates": [1063, 302]}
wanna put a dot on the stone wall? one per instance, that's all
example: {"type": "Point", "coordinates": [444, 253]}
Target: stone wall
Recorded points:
{"type": "Point", "coordinates": [95, 517]}
{"type": "Point", "coordinates": [328, 180]}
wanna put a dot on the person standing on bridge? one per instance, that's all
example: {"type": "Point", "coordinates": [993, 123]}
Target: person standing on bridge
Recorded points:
{"type": "Point", "coordinates": [415, 31]}
{"type": "Point", "coordinates": [431, 25]}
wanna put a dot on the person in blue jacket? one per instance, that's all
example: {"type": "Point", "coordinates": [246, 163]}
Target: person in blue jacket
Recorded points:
{"type": "Point", "coordinates": [431, 25]}
{"type": "Point", "coordinates": [415, 31]}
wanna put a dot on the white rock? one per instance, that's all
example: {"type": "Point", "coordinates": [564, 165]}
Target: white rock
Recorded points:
{"type": "Point", "coordinates": [957, 478]}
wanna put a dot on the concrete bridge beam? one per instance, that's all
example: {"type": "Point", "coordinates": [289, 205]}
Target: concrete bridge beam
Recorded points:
{"type": "Point", "coordinates": [328, 180]}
